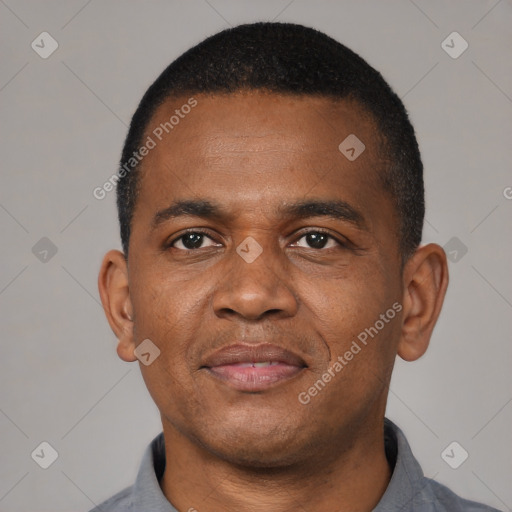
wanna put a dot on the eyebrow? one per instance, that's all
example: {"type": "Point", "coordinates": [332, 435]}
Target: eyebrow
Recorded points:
{"type": "Point", "coordinates": [206, 209]}
{"type": "Point", "coordinates": [335, 209]}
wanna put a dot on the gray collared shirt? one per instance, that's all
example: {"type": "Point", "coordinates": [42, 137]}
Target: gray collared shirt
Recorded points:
{"type": "Point", "coordinates": [408, 489]}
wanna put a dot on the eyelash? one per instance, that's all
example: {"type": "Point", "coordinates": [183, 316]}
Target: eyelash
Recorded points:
{"type": "Point", "coordinates": [206, 233]}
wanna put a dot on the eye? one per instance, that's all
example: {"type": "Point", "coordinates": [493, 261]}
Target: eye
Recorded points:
{"type": "Point", "coordinates": [318, 240]}
{"type": "Point", "coordinates": [196, 239]}
{"type": "Point", "coordinates": [192, 240]}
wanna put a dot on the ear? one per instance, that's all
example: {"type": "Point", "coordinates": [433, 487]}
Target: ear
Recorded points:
{"type": "Point", "coordinates": [425, 280]}
{"type": "Point", "coordinates": [115, 296]}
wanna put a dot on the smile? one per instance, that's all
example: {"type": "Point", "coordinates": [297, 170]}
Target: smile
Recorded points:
{"type": "Point", "coordinates": [254, 368]}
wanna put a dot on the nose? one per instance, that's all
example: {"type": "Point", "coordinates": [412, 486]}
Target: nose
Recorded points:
{"type": "Point", "coordinates": [255, 288]}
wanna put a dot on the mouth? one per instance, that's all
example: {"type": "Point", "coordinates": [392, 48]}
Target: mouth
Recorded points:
{"type": "Point", "coordinates": [254, 367]}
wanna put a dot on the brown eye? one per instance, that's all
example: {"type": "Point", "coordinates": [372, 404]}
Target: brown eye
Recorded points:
{"type": "Point", "coordinates": [191, 240]}
{"type": "Point", "coordinates": [317, 240]}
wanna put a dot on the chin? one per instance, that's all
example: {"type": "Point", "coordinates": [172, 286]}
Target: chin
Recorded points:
{"type": "Point", "coordinates": [262, 448]}
{"type": "Point", "coordinates": [257, 457]}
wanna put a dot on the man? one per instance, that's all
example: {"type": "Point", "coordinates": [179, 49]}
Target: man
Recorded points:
{"type": "Point", "coordinates": [271, 205]}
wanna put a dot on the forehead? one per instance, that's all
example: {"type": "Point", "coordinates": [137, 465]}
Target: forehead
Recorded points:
{"type": "Point", "coordinates": [255, 150]}
{"type": "Point", "coordinates": [244, 116]}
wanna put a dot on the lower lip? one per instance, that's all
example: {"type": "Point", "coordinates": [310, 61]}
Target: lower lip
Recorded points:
{"type": "Point", "coordinates": [251, 378]}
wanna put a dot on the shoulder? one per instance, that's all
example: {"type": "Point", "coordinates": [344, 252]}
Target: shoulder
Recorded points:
{"type": "Point", "coordinates": [437, 497]}
{"type": "Point", "coordinates": [120, 502]}
{"type": "Point", "coordinates": [145, 494]}
{"type": "Point", "coordinates": [409, 489]}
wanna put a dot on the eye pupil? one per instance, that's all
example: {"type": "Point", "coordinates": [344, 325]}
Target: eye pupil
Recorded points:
{"type": "Point", "coordinates": [192, 240]}
{"type": "Point", "coordinates": [317, 240]}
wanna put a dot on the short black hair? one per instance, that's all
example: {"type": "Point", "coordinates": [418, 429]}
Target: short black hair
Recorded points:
{"type": "Point", "coordinates": [290, 59]}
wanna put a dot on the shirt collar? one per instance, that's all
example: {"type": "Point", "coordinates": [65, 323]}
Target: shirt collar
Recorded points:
{"type": "Point", "coordinates": [147, 493]}
{"type": "Point", "coordinates": [406, 481]}
{"type": "Point", "coordinates": [407, 478]}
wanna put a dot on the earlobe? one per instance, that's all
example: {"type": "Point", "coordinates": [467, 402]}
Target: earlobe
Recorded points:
{"type": "Point", "coordinates": [114, 291]}
{"type": "Point", "coordinates": [425, 283]}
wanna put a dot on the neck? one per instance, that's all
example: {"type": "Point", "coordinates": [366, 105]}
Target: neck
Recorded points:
{"type": "Point", "coordinates": [350, 477]}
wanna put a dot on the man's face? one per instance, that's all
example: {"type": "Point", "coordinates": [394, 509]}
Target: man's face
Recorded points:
{"type": "Point", "coordinates": [211, 301]}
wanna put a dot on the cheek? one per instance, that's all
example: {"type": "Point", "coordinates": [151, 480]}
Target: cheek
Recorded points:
{"type": "Point", "coordinates": [164, 311]}
{"type": "Point", "coordinates": [362, 350]}
{"type": "Point", "coordinates": [168, 315]}
{"type": "Point", "coordinates": [347, 315]}
{"type": "Point", "coordinates": [343, 305]}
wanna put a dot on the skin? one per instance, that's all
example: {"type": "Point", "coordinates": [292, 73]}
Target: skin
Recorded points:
{"type": "Point", "coordinates": [252, 152]}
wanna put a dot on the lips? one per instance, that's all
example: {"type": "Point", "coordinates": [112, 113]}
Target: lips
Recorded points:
{"type": "Point", "coordinates": [254, 367]}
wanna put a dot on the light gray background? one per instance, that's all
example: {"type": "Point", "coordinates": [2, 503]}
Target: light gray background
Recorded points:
{"type": "Point", "coordinates": [63, 123]}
